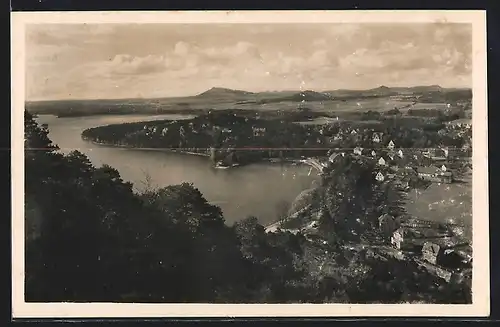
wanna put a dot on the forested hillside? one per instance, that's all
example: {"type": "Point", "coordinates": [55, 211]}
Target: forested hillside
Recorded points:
{"type": "Point", "coordinates": [90, 238]}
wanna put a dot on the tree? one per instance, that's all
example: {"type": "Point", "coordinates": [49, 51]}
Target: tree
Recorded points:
{"type": "Point", "coordinates": [355, 199]}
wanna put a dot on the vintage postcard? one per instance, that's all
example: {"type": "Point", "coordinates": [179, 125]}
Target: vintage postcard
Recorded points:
{"type": "Point", "coordinates": [249, 164]}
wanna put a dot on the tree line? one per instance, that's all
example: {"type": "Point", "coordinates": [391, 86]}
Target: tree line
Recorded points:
{"type": "Point", "coordinates": [273, 138]}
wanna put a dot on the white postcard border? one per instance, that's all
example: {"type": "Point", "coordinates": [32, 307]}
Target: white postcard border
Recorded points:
{"type": "Point", "coordinates": [480, 283]}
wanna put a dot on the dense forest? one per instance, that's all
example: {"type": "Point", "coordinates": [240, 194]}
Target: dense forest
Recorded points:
{"type": "Point", "coordinates": [90, 237]}
{"type": "Point", "coordinates": [229, 131]}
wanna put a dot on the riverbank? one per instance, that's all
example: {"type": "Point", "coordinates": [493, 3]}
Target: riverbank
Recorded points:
{"type": "Point", "coordinates": [293, 162]}
{"type": "Point", "coordinates": [180, 151]}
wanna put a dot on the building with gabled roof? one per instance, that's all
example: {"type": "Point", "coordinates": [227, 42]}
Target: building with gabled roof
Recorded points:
{"type": "Point", "coordinates": [435, 174]}
{"type": "Point", "coordinates": [357, 150]}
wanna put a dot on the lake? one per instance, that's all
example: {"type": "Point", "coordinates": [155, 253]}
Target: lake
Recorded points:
{"type": "Point", "coordinates": [257, 189]}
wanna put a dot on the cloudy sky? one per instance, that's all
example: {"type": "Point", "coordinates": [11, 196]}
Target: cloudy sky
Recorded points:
{"type": "Point", "coordinates": [162, 60]}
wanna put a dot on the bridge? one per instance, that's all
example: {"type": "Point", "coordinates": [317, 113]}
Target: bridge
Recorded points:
{"type": "Point", "coordinates": [315, 163]}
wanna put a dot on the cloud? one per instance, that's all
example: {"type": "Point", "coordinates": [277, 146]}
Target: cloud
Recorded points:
{"type": "Point", "coordinates": [107, 60]}
{"type": "Point", "coordinates": [127, 64]}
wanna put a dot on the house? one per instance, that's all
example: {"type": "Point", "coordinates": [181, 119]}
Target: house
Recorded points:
{"type": "Point", "coordinates": [391, 145]}
{"type": "Point", "coordinates": [354, 131]}
{"type": "Point", "coordinates": [381, 161]}
{"type": "Point", "coordinates": [412, 222]}
{"type": "Point", "coordinates": [454, 152]}
{"type": "Point", "coordinates": [400, 154]}
{"type": "Point", "coordinates": [434, 174]}
{"type": "Point", "coordinates": [331, 140]}
{"type": "Point", "coordinates": [376, 138]}
{"type": "Point", "coordinates": [373, 153]}
{"type": "Point", "coordinates": [397, 238]}
{"type": "Point", "coordinates": [405, 171]}
{"type": "Point", "coordinates": [379, 177]}
{"type": "Point", "coordinates": [358, 151]}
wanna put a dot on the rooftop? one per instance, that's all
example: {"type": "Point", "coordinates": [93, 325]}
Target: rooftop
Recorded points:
{"type": "Point", "coordinates": [432, 170]}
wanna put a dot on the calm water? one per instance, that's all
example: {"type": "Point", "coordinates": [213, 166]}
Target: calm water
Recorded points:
{"type": "Point", "coordinates": [256, 189]}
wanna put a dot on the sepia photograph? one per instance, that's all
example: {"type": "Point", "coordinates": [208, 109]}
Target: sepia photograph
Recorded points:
{"type": "Point", "coordinates": [249, 164]}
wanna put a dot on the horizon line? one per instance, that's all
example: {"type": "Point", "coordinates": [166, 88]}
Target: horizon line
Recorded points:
{"type": "Point", "coordinates": [254, 92]}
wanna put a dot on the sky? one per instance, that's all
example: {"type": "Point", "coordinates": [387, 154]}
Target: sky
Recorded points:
{"type": "Point", "coordinates": [109, 61]}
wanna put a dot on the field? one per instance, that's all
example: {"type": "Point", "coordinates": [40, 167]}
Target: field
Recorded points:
{"type": "Point", "coordinates": [446, 203]}
{"type": "Point", "coordinates": [332, 102]}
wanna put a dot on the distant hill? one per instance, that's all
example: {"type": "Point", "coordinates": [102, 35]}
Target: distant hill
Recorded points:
{"type": "Point", "coordinates": [218, 97]}
{"type": "Point", "coordinates": [383, 90]}
{"type": "Point", "coordinates": [308, 96]}
{"type": "Point", "coordinates": [220, 92]}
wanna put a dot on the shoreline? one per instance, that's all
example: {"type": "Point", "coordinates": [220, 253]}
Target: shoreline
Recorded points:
{"type": "Point", "coordinates": [266, 160]}
{"type": "Point", "coordinates": [145, 149]}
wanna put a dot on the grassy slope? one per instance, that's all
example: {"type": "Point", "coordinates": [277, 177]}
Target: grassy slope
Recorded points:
{"type": "Point", "coordinates": [444, 202]}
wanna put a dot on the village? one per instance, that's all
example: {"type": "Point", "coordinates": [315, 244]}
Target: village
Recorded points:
{"type": "Point", "coordinates": [437, 247]}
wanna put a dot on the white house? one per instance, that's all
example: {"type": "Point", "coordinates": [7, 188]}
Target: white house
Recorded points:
{"type": "Point", "coordinates": [373, 153]}
{"type": "Point", "coordinates": [354, 132]}
{"type": "Point", "coordinates": [376, 138]}
{"type": "Point", "coordinates": [400, 153]}
{"type": "Point", "coordinates": [443, 168]}
{"type": "Point", "coordinates": [381, 161]}
{"type": "Point", "coordinates": [358, 151]}
{"type": "Point", "coordinates": [390, 146]}
{"type": "Point", "coordinates": [379, 177]}
{"type": "Point", "coordinates": [397, 239]}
